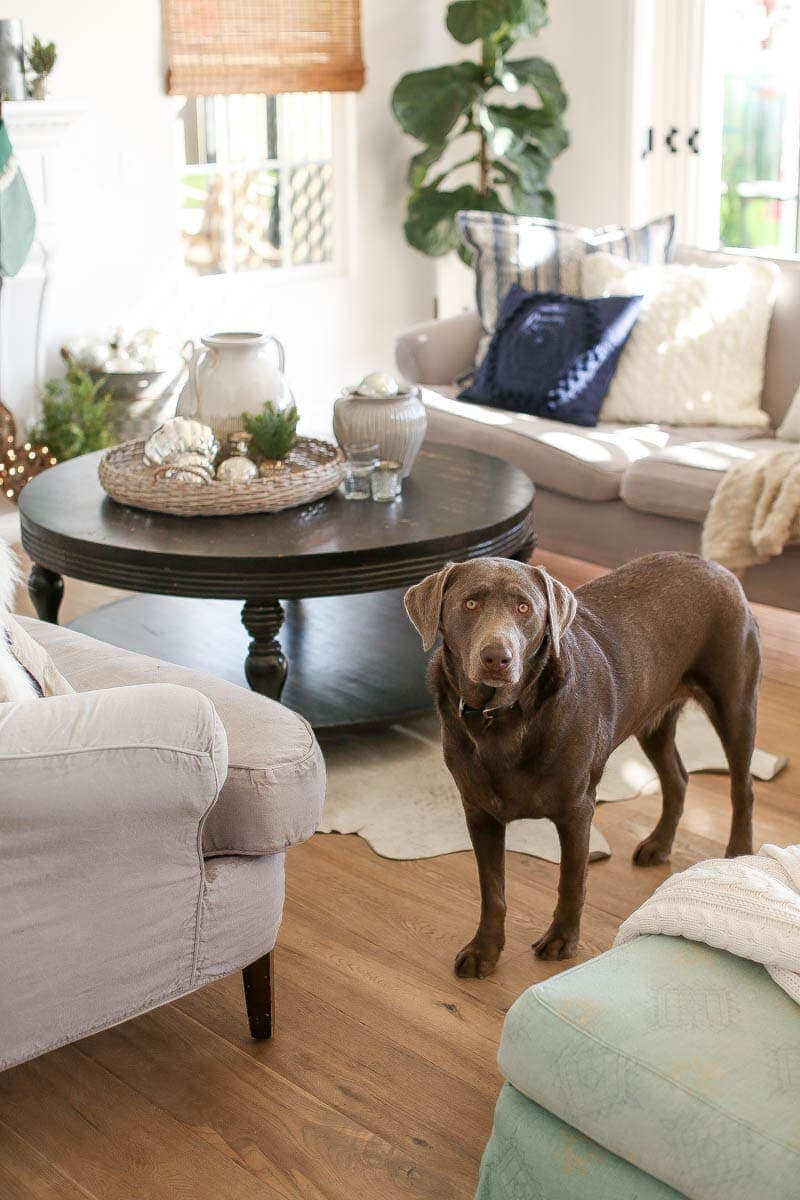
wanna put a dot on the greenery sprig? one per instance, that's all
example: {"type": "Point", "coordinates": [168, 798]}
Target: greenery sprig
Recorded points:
{"type": "Point", "coordinates": [76, 416]}
{"type": "Point", "coordinates": [273, 430]}
{"type": "Point", "coordinates": [511, 147]}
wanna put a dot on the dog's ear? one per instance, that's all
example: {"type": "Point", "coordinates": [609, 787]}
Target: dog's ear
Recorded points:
{"type": "Point", "coordinates": [423, 604]}
{"type": "Point", "coordinates": [561, 607]}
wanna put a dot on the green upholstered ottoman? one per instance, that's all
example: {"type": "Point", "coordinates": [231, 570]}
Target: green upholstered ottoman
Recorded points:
{"type": "Point", "coordinates": [534, 1156]}
{"type": "Point", "coordinates": [679, 1065]}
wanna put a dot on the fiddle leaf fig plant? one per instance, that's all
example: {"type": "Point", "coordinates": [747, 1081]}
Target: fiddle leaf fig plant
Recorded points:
{"type": "Point", "coordinates": [481, 108]}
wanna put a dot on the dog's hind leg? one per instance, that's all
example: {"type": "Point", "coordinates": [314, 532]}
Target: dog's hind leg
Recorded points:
{"type": "Point", "coordinates": [658, 744]}
{"type": "Point", "coordinates": [737, 727]}
{"type": "Point", "coordinates": [729, 694]}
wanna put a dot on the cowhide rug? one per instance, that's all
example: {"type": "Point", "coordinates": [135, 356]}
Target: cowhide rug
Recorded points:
{"type": "Point", "coordinates": [392, 788]}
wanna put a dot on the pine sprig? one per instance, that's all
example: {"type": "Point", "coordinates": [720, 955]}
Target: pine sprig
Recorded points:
{"type": "Point", "coordinates": [273, 430]}
{"type": "Point", "coordinates": [41, 56]}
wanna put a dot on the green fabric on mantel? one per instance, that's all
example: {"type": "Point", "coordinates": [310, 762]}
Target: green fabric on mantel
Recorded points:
{"type": "Point", "coordinates": [533, 1156]}
{"type": "Point", "coordinates": [678, 1058]}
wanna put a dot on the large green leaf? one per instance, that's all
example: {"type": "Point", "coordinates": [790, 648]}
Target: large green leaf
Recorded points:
{"type": "Point", "coordinates": [431, 222]}
{"type": "Point", "coordinates": [533, 167]}
{"type": "Point", "coordinates": [527, 16]}
{"type": "Point", "coordinates": [533, 204]}
{"type": "Point", "coordinates": [427, 104]}
{"type": "Point", "coordinates": [549, 132]}
{"type": "Point", "coordinates": [540, 74]}
{"type": "Point", "coordinates": [470, 20]}
{"type": "Point", "coordinates": [420, 163]}
{"type": "Point", "coordinates": [512, 127]}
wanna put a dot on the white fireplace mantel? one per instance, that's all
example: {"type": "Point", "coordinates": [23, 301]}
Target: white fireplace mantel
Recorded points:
{"type": "Point", "coordinates": [37, 130]}
{"type": "Point", "coordinates": [40, 124]}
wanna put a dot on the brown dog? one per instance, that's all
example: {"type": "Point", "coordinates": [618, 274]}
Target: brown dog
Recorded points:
{"type": "Point", "coordinates": [535, 687]}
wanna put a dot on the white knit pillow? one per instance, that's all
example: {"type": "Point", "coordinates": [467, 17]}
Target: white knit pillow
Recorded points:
{"type": "Point", "coordinates": [696, 353]}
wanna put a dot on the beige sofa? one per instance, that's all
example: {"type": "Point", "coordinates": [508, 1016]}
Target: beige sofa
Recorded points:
{"type": "Point", "coordinates": [143, 827]}
{"type": "Point", "coordinates": [609, 494]}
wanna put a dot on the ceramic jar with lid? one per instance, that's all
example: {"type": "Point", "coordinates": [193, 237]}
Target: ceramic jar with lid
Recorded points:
{"type": "Point", "coordinates": [384, 412]}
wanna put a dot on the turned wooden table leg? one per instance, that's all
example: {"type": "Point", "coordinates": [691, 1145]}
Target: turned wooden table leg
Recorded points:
{"type": "Point", "coordinates": [259, 996]}
{"type": "Point", "coordinates": [265, 665]}
{"type": "Point", "coordinates": [525, 552]}
{"type": "Point", "coordinates": [46, 590]}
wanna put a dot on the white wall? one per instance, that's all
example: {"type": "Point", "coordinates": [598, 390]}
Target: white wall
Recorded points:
{"type": "Point", "coordinates": [119, 259]}
{"type": "Point", "coordinates": [119, 256]}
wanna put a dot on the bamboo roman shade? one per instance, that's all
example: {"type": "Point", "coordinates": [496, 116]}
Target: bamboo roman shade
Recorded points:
{"type": "Point", "coordinates": [217, 47]}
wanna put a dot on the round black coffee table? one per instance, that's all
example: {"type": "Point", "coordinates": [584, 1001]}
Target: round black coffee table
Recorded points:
{"type": "Point", "coordinates": [355, 657]}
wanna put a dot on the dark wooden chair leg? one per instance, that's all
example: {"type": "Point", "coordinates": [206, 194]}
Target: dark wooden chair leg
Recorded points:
{"type": "Point", "coordinates": [259, 996]}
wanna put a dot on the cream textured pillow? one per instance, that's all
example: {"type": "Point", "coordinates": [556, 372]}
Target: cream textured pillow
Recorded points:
{"type": "Point", "coordinates": [696, 353]}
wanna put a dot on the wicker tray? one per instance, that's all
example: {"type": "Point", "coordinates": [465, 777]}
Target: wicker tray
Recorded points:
{"type": "Point", "coordinates": [313, 469]}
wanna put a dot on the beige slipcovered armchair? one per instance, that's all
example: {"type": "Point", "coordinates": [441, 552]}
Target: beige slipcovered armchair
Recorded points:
{"type": "Point", "coordinates": [143, 827]}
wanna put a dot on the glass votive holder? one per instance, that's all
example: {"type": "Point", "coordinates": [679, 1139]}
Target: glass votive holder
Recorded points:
{"type": "Point", "coordinates": [386, 480]}
{"type": "Point", "coordinates": [360, 460]}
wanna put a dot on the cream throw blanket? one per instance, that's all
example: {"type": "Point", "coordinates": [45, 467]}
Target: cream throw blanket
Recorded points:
{"type": "Point", "coordinates": [755, 510]}
{"type": "Point", "coordinates": [749, 906]}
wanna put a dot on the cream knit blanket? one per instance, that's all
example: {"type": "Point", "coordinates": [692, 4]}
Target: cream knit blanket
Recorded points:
{"type": "Point", "coordinates": [755, 510]}
{"type": "Point", "coordinates": [749, 906]}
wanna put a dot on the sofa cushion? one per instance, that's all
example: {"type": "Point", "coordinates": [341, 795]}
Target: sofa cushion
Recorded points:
{"type": "Point", "coordinates": [546, 256]}
{"type": "Point", "coordinates": [682, 1059]}
{"type": "Point", "coordinates": [532, 1155]}
{"type": "Point", "coordinates": [272, 797]}
{"type": "Point", "coordinates": [696, 354]}
{"type": "Point", "coordinates": [588, 464]}
{"type": "Point", "coordinates": [680, 480]}
{"type": "Point", "coordinates": [552, 355]}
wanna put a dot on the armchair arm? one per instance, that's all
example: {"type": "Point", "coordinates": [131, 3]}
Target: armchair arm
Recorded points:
{"type": "Point", "coordinates": [103, 796]}
{"type": "Point", "coordinates": [272, 796]}
{"type": "Point", "coordinates": [436, 352]}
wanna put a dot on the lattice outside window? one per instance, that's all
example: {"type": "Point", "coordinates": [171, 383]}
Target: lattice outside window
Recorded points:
{"type": "Point", "coordinates": [256, 182]}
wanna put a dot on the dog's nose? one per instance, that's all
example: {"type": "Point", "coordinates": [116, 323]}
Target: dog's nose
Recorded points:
{"type": "Point", "coordinates": [496, 656]}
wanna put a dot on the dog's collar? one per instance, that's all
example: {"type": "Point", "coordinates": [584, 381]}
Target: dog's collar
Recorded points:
{"type": "Point", "coordinates": [488, 713]}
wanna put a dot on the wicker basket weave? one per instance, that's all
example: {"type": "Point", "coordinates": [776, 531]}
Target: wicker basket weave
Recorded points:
{"type": "Point", "coordinates": [313, 469]}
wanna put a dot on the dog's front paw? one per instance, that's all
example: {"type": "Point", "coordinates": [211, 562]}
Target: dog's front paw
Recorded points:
{"type": "Point", "coordinates": [477, 959]}
{"type": "Point", "coordinates": [650, 852]}
{"type": "Point", "coordinates": [559, 942]}
{"type": "Point", "coordinates": [739, 846]}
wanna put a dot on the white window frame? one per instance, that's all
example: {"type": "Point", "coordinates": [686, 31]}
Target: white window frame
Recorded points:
{"type": "Point", "coordinates": [343, 166]}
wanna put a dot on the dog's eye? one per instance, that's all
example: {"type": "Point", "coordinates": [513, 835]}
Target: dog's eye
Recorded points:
{"type": "Point", "coordinates": [470, 605]}
{"type": "Point", "coordinates": [523, 608]}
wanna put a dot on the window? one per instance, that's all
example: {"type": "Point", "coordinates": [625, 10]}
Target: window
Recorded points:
{"type": "Point", "coordinates": [760, 125]}
{"type": "Point", "coordinates": [717, 121]}
{"type": "Point", "coordinates": [256, 182]}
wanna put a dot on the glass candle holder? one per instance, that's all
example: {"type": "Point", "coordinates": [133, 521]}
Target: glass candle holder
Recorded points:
{"type": "Point", "coordinates": [386, 480]}
{"type": "Point", "coordinates": [360, 460]}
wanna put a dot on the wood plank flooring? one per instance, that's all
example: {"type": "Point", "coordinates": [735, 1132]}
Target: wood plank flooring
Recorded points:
{"type": "Point", "coordinates": [381, 1078]}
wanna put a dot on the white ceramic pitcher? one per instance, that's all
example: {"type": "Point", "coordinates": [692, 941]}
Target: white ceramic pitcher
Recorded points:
{"type": "Point", "coordinates": [231, 374]}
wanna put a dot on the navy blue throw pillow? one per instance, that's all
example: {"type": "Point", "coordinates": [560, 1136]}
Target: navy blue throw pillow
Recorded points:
{"type": "Point", "coordinates": [553, 355]}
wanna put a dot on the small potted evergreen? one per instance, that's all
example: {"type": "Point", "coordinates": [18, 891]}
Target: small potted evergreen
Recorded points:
{"type": "Point", "coordinates": [274, 435]}
{"type": "Point", "coordinates": [41, 59]}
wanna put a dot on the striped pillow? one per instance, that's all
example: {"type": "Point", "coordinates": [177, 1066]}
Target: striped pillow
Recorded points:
{"type": "Point", "coordinates": [547, 256]}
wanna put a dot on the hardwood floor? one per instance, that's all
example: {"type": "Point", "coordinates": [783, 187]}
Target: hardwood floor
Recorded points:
{"type": "Point", "coordinates": [381, 1078]}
